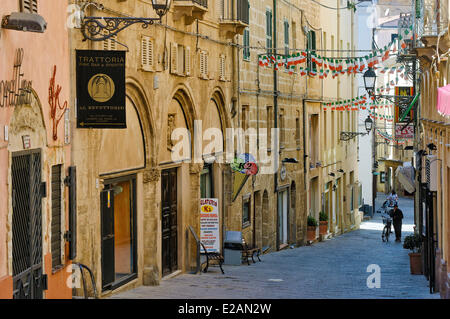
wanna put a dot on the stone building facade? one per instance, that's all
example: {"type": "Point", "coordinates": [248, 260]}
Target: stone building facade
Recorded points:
{"type": "Point", "coordinates": [178, 79]}
{"type": "Point", "coordinates": [433, 198]}
{"type": "Point", "coordinates": [35, 152]}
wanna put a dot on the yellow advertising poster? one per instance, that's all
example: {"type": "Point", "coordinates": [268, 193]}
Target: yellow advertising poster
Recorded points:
{"type": "Point", "coordinates": [209, 224]}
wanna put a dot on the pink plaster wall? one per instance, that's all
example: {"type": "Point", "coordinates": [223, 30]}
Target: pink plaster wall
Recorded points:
{"type": "Point", "coordinates": [41, 53]}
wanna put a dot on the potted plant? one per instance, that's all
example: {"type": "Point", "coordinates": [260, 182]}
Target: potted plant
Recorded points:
{"type": "Point", "coordinates": [323, 223]}
{"type": "Point", "coordinates": [311, 229]}
{"type": "Point", "coordinates": [414, 243]}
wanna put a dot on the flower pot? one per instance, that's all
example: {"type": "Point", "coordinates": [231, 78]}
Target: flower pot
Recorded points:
{"type": "Point", "coordinates": [415, 262]}
{"type": "Point", "coordinates": [323, 227]}
{"type": "Point", "coordinates": [311, 233]}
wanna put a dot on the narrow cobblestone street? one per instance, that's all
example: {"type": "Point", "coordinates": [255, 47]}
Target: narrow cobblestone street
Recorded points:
{"type": "Point", "coordinates": [335, 268]}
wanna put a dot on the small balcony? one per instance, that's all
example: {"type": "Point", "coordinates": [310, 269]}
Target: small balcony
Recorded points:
{"type": "Point", "coordinates": [191, 9]}
{"type": "Point", "coordinates": [432, 21]}
{"type": "Point", "coordinates": [235, 17]}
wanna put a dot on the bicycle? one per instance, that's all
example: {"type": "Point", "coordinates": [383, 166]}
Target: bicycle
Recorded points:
{"type": "Point", "coordinates": [387, 221]}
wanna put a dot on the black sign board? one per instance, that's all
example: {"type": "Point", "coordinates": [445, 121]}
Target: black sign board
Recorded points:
{"type": "Point", "coordinates": [100, 89]}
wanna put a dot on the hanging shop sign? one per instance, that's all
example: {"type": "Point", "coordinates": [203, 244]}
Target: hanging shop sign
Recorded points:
{"type": "Point", "coordinates": [100, 89]}
{"type": "Point", "coordinates": [404, 132]}
{"type": "Point", "coordinates": [17, 91]}
{"type": "Point", "coordinates": [243, 167]}
{"type": "Point", "coordinates": [401, 108]}
{"type": "Point", "coordinates": [209, 224]}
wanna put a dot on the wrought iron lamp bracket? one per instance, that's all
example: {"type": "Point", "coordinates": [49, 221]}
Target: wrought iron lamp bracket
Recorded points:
{"type": "Point", "coordinates": [102, 28]}
{"type": "Point", "coordinates": [346, 136]}
{"type": "Point", "coordinates": [400, 99]}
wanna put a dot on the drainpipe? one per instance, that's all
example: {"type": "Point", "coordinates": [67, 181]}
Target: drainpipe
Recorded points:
{"type": "Point", "coordinates": [275, 96]}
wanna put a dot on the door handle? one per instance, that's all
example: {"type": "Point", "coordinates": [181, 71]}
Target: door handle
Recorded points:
{"type": "Point", "coordinates": [108, 237]}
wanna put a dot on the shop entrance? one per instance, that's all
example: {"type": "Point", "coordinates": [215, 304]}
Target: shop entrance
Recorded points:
{"type": "Point", "coordinates": [169, 221]}
{"type": "Point", "coordinates": [118, 213]}
{"type": "Point", "coordinates": [28, 278]}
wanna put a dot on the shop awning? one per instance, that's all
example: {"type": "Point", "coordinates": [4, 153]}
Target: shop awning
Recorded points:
{"type": "Point", "coordinates": [443, 100]}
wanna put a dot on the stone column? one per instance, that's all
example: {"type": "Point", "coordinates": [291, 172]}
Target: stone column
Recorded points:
{"type": "Point", "coordinates": [194, 218]}
{"type": "Point", "coordinates": [152, 208]}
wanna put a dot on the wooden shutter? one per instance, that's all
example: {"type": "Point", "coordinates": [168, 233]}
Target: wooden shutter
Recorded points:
{"type": "Point", "coordinates": [203, 64]}
{"type": "Point", "coordinates": [110, 44]}
{"type": "Point", "coordinates": [56, 233]}
{"type": "Point", "coordinates": [147, 53]}
{"type": "Point", "coordinates": [29, 6]}
{"type": "Point", "coordinates": [187, 61]}
{"type": "Point", "coordinates": [173, 58]}
{"type": "Point", "coordinates": [222, 67]}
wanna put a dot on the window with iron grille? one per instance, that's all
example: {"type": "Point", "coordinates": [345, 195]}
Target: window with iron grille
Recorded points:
{"type": "Point", "coordinates": [56, 234]}
{"type": "Point", "coordinates": [269, 30]}
{"type": "Point", "coordinates": [29, 6]}
{"type": "Point", "coordinates": [286, 41]}
{"type": "Point", "coordinates": [246, 50]}
{"type": "Point", "coordinates": [311, 47]}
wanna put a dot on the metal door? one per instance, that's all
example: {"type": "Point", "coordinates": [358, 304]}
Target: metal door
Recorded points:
{"type": "Point", "coordinates": [107, 211]}
{"type": "Point", "coordinates": [169, 221]}
{"type": "Point", "coordinates": [29, 282]}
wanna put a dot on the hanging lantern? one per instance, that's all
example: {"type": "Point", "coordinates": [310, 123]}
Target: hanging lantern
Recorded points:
{"type": "Point", "coordinates": [161, 6]}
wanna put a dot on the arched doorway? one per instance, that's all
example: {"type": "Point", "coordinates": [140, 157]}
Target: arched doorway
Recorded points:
{"type": "Point", "coordinates": [121, 162]}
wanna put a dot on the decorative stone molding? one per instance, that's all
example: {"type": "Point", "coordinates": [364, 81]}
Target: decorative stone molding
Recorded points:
{"type": "Point", "coordinates": [152, 175]}
{"type": "Point", "coordinates": [195, 168]}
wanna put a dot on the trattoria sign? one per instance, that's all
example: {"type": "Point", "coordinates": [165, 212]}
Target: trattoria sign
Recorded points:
{"type": "Point", "coordinates": [17, 91]}
{"type": "Point", "coordinates": [209, 224]}
{"type": "Point", "coordinates": [101, 89]}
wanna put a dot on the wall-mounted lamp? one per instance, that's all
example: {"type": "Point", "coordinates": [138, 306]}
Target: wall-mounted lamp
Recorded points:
{"type": "Point", "coordinates": [332, 174]}
{"type": "Point", "coordinates": [102, 28]}
{"type": "Point", "coordinates": [23, 21]}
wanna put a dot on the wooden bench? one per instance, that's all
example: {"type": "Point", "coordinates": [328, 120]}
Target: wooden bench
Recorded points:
{"type": "Point", "coordinates": [211, 256]}
{"type": "Point", "coordinates": [249, 252]}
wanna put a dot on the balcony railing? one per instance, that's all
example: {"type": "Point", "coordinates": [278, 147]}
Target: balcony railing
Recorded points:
{"type": "Point", "coordinates": [236, 10]}
{"type": "Point", "coordinates": [432, 17]}
{"type": "Point", "coordinates": [203, 3]}
{"type": "Point", "coordinates": [191, 9]}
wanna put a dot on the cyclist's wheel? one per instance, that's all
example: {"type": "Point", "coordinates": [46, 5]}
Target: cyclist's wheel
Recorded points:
{"type": "Point", "coordinates": [385, 234]}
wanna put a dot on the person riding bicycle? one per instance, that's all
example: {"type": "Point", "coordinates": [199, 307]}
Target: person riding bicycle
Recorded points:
{"type": "Point", "coordinates": [392, 198]}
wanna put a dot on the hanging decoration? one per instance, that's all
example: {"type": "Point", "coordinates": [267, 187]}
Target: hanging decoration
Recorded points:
{"type": "Point", "coordinates": [323, 66]}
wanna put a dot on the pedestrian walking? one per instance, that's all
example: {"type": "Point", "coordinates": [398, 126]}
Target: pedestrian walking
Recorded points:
{"type": "Point", "coordinates": [397, 217]}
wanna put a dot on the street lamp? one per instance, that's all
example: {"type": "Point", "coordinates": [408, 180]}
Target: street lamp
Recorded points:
{"type": "Point", "coordinates": [370, 78]}
{"type": "Point", "coordinates": [368, 123]}
{"type": "Point", "coordinates": [346, 136]}
{"type": "Point", "coordinates": [161, 6]}
{"type": "Point", "coordinates": [103, 28]}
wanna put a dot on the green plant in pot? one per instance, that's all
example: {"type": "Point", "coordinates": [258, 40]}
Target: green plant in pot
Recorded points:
{"type": "Point", "coordinates": [311, 229]}
{"type": "Point", "coordinates": [414, 243]}
{"type": "Point", "coordinates": [323, 223]}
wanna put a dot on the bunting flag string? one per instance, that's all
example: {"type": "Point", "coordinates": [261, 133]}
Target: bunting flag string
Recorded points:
{"type": "Point", "coordinates": [323, 66]}
{"type": "Point", "coordinates": [388, 137]}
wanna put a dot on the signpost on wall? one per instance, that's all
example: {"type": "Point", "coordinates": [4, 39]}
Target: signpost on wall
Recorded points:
{"type": "Point", "coordinates": [209, 224]}
{"type": "Point", "coordinates": [400, 109]}
{"type": "Point", "coordinates": [100, 89]}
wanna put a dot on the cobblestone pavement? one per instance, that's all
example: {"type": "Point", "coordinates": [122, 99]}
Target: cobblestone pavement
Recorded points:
{"type": "Point", "coordinates": [334, 268]}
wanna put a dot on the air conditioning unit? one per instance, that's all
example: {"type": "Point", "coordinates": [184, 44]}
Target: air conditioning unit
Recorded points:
{"type": "Point", "coordinates": [431, 172]}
